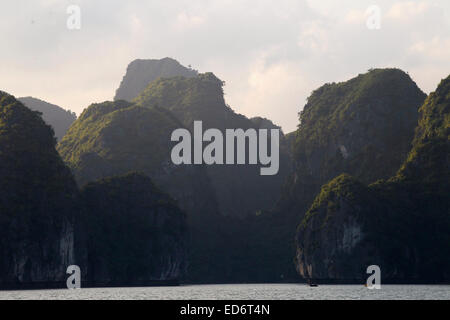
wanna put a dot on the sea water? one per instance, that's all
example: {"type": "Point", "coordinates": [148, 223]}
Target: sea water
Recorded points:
{"type": "Point", "coordinates": [242, 292]}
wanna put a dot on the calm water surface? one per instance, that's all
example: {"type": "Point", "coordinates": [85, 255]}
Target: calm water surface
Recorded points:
{"type": "Point", "coordinates": [244, 291]}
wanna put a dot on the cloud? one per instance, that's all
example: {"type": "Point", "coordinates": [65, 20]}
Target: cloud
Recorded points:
{"type": "Point", "coordinates": [408, 10]}
{"type": "Point", "coordinates": [273, 90]}
{"type": "Point", "coordinates": [436, 49]}
{"type": "Point", "coordinates": [313, 37]}
{"type": "Point", "coordinates": [185, 21]}
{"type": "Point", "coordinates": [356, 16]}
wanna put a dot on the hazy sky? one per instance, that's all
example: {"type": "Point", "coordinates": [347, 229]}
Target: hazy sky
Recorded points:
{"type": "Point", "coordinates": [271, 54]}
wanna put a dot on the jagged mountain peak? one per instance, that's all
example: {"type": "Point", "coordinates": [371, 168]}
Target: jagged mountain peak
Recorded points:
{"type": "Point", "coordinates": [141, 72]}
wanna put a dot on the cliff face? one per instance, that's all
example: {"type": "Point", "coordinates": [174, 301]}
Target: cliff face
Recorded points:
{"type": "Point", "coordinates": [333, 244]}
{"type": "Point", "coordinates": [58, 118]}
{"type": "Point", "coordinates": [37, 199]}
{"type": "Point", "coordinates": [141, 72]}
{"type": "Point", "coordinates": [403, 223]}
{"type": "Point", "coordinates": [133, 232]}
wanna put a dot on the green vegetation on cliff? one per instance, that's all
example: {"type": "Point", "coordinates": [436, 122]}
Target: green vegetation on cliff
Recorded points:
{"type": "Point", "coordinates": [428, 161]}
{"type": "Point", "coordinates": [191, 99]}
{"type": "Point", "coordinates": [363, 127]}
{"type": "Point", "coordinates": [115, 137]}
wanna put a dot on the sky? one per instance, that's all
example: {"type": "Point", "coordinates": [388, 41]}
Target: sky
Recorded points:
{"type": "Point", "coordinates": [271, 54]}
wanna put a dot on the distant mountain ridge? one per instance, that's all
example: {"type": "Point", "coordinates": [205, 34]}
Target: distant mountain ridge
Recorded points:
{"type": "Point", "coordinates": [58, 118]}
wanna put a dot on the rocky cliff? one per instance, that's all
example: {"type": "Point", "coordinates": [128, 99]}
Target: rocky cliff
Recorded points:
{"type": "Point", "coordinates": [37, 200]}
{"type": "Point", "coordinates": [363, 127]}
{"type": "Point", "coordinates": [133, 233]}
{"type": "Point", "coordinates": [401, 224]}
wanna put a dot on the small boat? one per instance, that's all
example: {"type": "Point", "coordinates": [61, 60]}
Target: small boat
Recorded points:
{"type": "Point", "coordinates": [312, 284]}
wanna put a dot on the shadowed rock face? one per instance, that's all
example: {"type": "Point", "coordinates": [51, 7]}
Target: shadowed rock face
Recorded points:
{"type": "Point", "coordinates": [37, 199]}
{"type": "Point", "coordinates": [133, 232]}
{"type": "Point", "coordinates": [403, 223]}
{"type": "Point", "coordinates": [141, 72]}
{"type": "Point", "coordinates": [58, 118]}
